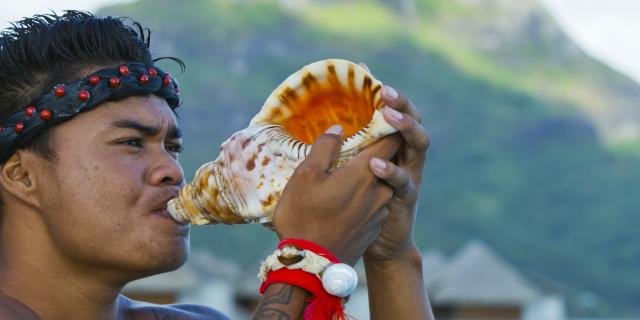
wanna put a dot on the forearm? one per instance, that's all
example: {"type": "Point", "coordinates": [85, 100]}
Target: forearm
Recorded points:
{"type": "Point", "coordinates": [282, 302]}
{"type": "Point", "coordinates": [396, 288]}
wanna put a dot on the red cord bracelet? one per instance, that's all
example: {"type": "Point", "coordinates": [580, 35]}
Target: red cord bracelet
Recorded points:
{"type": "Point", "coordinates": [322, 306]}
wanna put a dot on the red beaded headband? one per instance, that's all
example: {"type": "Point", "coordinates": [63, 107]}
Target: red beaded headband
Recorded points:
{"type": "Point", "coordinates": [67, 100]}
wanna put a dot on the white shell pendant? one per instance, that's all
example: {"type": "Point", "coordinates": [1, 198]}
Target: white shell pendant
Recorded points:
{"type": "Point", "coordinates": [340, 280]}
{"type": "Point", "coordinates": [246, 180]}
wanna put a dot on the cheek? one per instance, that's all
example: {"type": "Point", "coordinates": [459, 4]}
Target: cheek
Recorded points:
{"type": "Point", "coordinates": [99, 215]}
{"type": "Point", "coordinates": [105, 185]}
{"type": "Point", "coordinates": [92, 204]}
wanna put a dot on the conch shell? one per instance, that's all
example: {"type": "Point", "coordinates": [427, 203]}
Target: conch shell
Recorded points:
{"type": "Point", "coordinates": [244, 183]}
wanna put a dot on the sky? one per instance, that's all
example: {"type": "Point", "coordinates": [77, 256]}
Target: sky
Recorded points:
{"type": "Point", "coordinates": [606, 29]}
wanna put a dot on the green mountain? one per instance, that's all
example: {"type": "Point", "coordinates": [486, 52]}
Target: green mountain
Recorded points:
{"type": "Point", "coordinates": [535, 144]}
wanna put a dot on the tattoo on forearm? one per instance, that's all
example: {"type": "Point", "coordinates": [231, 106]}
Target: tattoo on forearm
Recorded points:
{"type": "Point", "coordinates": [280, 303]}
{"type": "Point", "coordinates": [271, 314]}
{"type": "Point", "coordinates": [283, 296]}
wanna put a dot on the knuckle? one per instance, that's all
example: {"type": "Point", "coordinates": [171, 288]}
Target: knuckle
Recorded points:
{"type": "Point", "coordinates": [406, 177]}
{"type": "Point", "coordinates": [397, 174]}
{"type": "Point", "coordinates": [325, 139]}
{"type": "Point", "coordinates": [306, 169]}
{"type": "Point", "coordinates": [414, 123]}
{"type": "Point", "coordinates": [424, 140]}
{"type": "Point", "coordinates": [410, 194]}
{"type": "Point", "coordinates": [402, 180]}
{"type": "Point", "coordinates": [407, 124]}
{"type": "Point", "coordinates": [403, 126]}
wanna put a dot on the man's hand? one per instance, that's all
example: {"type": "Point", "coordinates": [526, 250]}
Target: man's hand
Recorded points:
{"type": "Point", "coordinates": [393, 263]}
{"type": "Point", "coordinates": [341, 210]}
{"type": "Point", "coordinates": [405, 177]}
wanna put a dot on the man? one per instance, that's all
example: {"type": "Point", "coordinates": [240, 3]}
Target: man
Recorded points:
{"type": "Point", "coordinates": [88, 149]}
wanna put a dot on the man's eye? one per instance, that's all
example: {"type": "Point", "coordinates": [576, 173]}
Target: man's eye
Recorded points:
{"type": "Point", "coordinates": [132, 142]}
{"type": "Point", "coordinates": [175, 148]}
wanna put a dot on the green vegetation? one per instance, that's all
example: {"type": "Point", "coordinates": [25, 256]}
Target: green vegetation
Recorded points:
{"type": "Point", "coordinates": [514, 160]}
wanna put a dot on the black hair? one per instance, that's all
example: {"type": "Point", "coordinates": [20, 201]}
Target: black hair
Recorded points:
{"type": "Point", "coordinates": [39, 52]}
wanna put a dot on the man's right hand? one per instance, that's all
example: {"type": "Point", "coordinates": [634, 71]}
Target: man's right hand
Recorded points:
{"type": "Point", "coordinates": [341, 210]}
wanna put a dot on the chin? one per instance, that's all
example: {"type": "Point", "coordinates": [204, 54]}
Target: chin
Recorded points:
{"type": "Point", "coordinates": [159, 258]}
{"type": "Point", "coordinates": [172, 257]}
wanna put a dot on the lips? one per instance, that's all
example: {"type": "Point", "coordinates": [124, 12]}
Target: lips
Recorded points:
{"type": "Point", "coordinates": [160, 207]}
{"type": "Point", "coordinates": [164, 213]}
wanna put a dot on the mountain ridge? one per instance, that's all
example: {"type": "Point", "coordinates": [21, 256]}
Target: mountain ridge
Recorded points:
{"type": "Point", "coordinates": [521, 38]}
{"type": "Point", "coordinates": [503, 39]}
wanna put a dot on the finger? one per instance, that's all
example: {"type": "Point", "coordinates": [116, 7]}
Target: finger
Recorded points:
{"type": "Point", "coordinates": [384, 148]}
{"type": "Point", "coordinates": [398, 178]}
{"type": "Point", "coordinates": [413, 133]}
{"type": "Point", "coordinates": [376, 192]}
{"type": "Point", "coordinates": [325, 150]}
{"type": "Point", "coordinates": [399, 101]}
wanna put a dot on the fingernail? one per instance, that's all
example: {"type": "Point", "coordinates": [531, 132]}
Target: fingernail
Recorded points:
{"type": "Point", "coordinates": [390, 92]}
{"type": "Point", "coordinates": [335, 129]}
{"type": "Point", "coordinates": [395, 115]}
{"type": "Point", "coordinates": [378, 164]}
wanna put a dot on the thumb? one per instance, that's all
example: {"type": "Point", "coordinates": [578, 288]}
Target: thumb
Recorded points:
{"type": "Point", "coordinates": [325, 149]}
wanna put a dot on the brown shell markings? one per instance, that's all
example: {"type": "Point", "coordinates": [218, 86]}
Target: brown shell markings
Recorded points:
{"type": "Point", "coordinates": [246, 180]}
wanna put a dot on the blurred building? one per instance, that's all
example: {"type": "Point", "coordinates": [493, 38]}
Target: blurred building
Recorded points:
{"type": "Point", "coordinates": [478, 284]}
{"type": "Point", "coordinates": [474, 283]}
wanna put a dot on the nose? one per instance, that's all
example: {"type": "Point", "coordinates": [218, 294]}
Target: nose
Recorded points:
{"type": "Point", "coordinates": [166, 170]}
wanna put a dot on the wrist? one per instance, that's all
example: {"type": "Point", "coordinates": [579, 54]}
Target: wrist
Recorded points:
{"type": "Point", "coordinates": [409, 257]}
{"type": "Point", "coordinates": [310, 267]}
{"type": "Point", "coordinates": [335, 247]}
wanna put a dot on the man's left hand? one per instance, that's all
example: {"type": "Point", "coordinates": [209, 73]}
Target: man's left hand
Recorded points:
{"type": "Point", "coordinates": [404, 176]}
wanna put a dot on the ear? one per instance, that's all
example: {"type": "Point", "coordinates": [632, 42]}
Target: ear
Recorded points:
{"type": "Point", "coordinates": [17, 177]}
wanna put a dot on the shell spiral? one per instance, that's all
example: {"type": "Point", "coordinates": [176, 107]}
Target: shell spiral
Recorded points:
{"type": "Point", "coordinates": [244, 183]}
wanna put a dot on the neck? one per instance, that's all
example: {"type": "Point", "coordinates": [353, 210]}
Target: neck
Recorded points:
{"type": "Point", "coordinates": [34, 272]}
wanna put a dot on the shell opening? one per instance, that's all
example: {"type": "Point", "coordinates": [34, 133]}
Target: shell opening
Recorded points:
{"type": "Point", "coordinates": [322, 103]}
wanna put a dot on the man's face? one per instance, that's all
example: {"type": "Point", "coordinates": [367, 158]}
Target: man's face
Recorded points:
{"type": "Point", "coordinates": [104, 200]}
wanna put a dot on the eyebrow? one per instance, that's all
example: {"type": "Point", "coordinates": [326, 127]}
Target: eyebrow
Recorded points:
{"type": "Point", "coordinates": [146, 130]}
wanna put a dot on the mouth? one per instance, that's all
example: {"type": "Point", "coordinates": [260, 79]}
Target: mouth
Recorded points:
{"type": "Point", "coordinates": [165, 214]}
{"type": "Point", "coordinates": [161, 211]}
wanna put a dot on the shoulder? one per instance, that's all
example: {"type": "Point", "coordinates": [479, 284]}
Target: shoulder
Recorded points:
{"type": "Point", "coordinates": [11, 309]}
{"type": "Point", "coordinates": [142, 311]}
